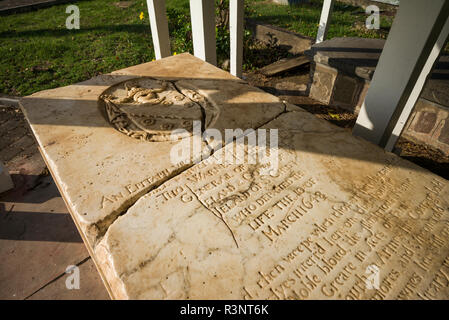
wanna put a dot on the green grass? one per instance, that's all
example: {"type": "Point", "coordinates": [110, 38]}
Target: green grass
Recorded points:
{"type": "Point", "coordinates": [347, 21]}
{"type": "Point", "coordinates": [37, 52]}
{"type": "Point", "coordinates": [178, 4]}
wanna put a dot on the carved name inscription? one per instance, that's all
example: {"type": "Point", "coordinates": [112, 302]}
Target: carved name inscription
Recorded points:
{"type": "Point", "coordinates": [225, 231]}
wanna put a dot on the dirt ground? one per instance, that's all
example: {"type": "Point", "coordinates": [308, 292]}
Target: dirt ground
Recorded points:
{"type": "Point", "coordinates": [292, 87]}
{"type": "Point", "coordinates": [424, 156]}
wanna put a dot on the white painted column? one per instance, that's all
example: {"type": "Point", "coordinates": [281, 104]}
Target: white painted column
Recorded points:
{"type": "Point", "coordinates": [236, 11]}
{"type": "Point", "coordinates": [202, 13]}
{"type": "Point", "coordinates": [416, 91]}
{"type": "Point", "coordinates": [325, 20]}
{"type": "Point", "coordinates": [414, 43]}
{"type": "Point", "coordinates": [159, 28]}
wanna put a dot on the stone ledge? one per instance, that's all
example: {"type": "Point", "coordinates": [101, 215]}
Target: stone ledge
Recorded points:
{"type": "Point", "coordinates": [353, 56]}
{"type": "Point", "coordinates": [358, 57]}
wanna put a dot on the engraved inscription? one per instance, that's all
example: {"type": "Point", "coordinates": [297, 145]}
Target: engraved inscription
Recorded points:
{"type": "Point", "coordinates": [322, 227]}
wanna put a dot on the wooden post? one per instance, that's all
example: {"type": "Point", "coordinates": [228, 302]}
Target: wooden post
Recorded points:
{"type": "Point", "coordinates": [202, 13]}
{"type": "Point", "coordinates": [159, 28]}
{"type": "Point", "coordinates": [325, 20]}
{"type": "Point", "coordinates": [236, 11]}
{"type": "Point", "coordinates": [415, 40]}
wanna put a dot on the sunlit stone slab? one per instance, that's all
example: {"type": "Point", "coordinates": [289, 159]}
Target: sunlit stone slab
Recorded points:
{"type": "Point", "coordinates": [341, 219]}
{"type": "Point", "coordinates": [106, 147]}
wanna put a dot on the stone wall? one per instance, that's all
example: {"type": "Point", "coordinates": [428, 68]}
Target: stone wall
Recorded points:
{"type": "Point", "coordinates": [341, 72]}
{"type": "Point", "coordinates": [429, 122]}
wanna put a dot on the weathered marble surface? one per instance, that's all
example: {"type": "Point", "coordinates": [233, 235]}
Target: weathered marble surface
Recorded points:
{"type": "Point", "coordinates": [101, 171]}
{"type": "Point", "coordinates": [337, 206]}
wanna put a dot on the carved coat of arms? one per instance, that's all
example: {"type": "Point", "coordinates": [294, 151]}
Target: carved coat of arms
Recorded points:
{"type": "Point", "coordinates": [150, 109]}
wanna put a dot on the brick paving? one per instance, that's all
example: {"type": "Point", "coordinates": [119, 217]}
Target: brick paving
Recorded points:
{"type": "Point", "coordinates": [38, 239]}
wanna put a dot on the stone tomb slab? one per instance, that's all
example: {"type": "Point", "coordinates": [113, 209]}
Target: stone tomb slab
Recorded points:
{"type": "Point", "coordinates": [107, 140]}
{"type": "Point", "coordinates": [340, 219]}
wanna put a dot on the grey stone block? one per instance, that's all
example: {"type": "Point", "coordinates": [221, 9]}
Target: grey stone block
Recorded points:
{"type": "Point", "coordinates": [294, 42]}
{"type": "Point", "coordinates": [342, 69]}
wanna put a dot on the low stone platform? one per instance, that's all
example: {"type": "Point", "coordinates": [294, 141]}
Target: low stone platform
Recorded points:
{"type": "Point", "coordinates": [342, 69]}
{"type": "Point", "coordinates": [337, 217]}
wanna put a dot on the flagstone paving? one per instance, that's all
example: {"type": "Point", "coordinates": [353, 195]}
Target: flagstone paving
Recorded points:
{"type": "Point", "coordinates": [38, 238]}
